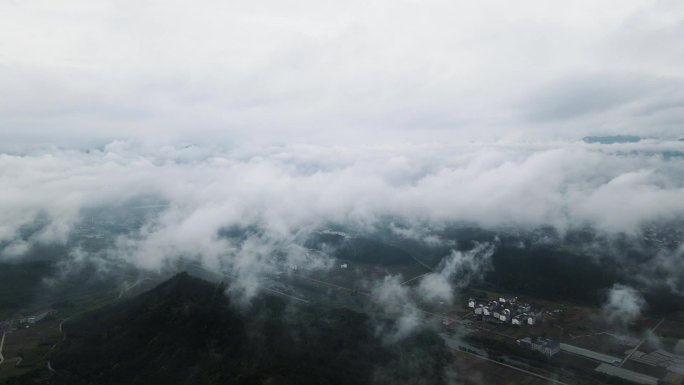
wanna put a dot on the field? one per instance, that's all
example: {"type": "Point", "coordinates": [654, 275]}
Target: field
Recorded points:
{"type": "Point", "coordinates": [478, 371]}
{"type": "Point", "coordinates": [29, 348]}
{"type": "Point", "coordinates": [574, 324]}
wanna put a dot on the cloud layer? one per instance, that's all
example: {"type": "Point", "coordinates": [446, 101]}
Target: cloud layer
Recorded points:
{"type": "Point", "coordinates": [275, 197]}
{"type": "Point", "coordinates": [287, 192]}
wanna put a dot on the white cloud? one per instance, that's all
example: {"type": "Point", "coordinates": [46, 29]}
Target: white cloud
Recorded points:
{"type": "Point", "coordinates": [286, 190]}
{"type": "Point", "coordinates": [457, 270]}
{"type": "Point", "coordinates": [397, 302]}
{"type": "Point", "coordinates": [623, 305]}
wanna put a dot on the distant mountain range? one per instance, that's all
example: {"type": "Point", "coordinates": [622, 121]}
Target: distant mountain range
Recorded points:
{"type": "Point", "coordinates": [611, 139]}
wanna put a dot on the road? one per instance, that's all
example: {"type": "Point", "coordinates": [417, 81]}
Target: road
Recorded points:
{"type": "Point", "coordinates": [414, 278]}
{"type": "Point", "coordinates": [425, 265]}
{"type": "Point", "coordinates": [18, 359]}
{"type": "Point", "coordinates": [640, 343]}
{"type": "Point", "coordinates": [285, 294]}
{"type": "Point", "coordinates": [2, 343]}
{"type": "Point", "coordinates": [49, 365]}
{"type": "Point", "coordinates": [512, 367]}
{"type": "Point", "coordinates": [325, 283]}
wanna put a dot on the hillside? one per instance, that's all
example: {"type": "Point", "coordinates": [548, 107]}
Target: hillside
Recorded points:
{"type": "Point", "coordinates": [185, 331]}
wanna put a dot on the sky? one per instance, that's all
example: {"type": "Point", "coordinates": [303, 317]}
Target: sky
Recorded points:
{"type": "Point", "coordinates": [81, 74]}
{"type": "Point", "coordinates": [290, 116]}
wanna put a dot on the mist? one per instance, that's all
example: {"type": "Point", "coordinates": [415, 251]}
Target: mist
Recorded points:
{"type": "Point", "coordinates": [623, 305]}
{"type": "Point", "coordinates": [284, 194]}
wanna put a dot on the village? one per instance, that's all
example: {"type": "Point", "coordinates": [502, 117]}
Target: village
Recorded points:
{"type": "Point", "coordinates": [505, 311]}
{"type": "Point", "coordinates": [11, 325]}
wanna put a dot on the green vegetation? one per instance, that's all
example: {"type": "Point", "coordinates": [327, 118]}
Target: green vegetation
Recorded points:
{"type": "Point", "coordinates": [367, 250]}
{"type": "Point", "coordinates": [186, 331]}
{"type": "Point", "coordinates": [20, 284]}
{"type": "Point", "coordinates": [551, 274]}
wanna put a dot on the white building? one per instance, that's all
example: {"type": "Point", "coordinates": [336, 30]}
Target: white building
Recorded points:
{"type": "Point", "coordinates": [542, 345]}
{"type": "Point", "coordinates": [471, 303]}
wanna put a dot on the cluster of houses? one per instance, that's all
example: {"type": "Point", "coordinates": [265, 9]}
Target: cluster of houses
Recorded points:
{"type": "Point", "coordinates": [505, 310]}
{"type": "Point", "coordinates": [30, 320]}
{"type": "Point", "coordinates": [11, 325]}
{"type": "Point", "coordinates": [543, 345]}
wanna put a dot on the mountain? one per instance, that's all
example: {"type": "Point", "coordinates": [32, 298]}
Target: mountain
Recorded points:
{"type": "Point", "coordinates": [186, 331]}
{"type": "Point", "coordinates": [611, 139]}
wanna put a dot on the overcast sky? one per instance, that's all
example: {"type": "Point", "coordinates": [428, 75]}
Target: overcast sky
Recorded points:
{"type": "Point", "coordinates": [84, 73]}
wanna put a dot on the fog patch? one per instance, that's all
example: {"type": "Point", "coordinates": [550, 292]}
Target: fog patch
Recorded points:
{"type": "Point", "coordinates": [653, 341]}
{"type": "Point", "coordinates": [679, 347]}
{"type": "Point", "coordinates": [623, 305]}
{"type": "Point", "coordinates": [457, 270]}
{"type": "Point", "coordinates": [397, 303]}
{"type": "Point", "coordinates": [401, 303]}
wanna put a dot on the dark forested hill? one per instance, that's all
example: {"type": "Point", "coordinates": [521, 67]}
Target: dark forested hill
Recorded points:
{"type": "Point", "coordinates": [186, 331]}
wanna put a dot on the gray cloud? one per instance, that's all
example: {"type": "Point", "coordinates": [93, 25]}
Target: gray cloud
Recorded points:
{"type": "Point", "coordinates": [83, 74]}
{"type": "Point", "coordinates": [585, 94]}
{"type": "Point", "coordinates": [277, 196]}
{"type": "Point", "coordinates": [288, 191]}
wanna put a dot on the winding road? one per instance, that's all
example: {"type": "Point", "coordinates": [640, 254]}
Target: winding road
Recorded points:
{"type": "Point", "coordinates": [63, 334]}
{"type": "Point", "coordinates": [2, 343]}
